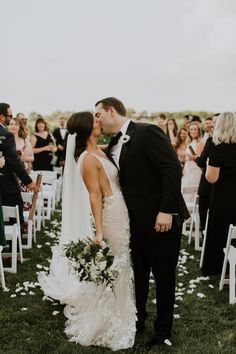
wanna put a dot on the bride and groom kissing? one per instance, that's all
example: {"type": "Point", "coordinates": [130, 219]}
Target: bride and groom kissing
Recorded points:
{"type": "Point", "coordinates": [133, 192]}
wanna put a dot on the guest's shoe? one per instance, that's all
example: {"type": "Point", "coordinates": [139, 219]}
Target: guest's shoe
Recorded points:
{"type": "Point", "coordinates": [156, 340]}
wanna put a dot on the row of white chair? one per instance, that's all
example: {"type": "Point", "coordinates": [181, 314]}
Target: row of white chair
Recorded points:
{"type": "Point", "coordinates": [47, 198]}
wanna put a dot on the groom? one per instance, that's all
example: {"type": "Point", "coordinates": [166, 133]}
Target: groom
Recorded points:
{"type": "Point", "coordinates": [150, 179]}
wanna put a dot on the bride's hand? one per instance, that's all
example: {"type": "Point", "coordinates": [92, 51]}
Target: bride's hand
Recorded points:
{"type": "Point", "coordinates": [98, 239]}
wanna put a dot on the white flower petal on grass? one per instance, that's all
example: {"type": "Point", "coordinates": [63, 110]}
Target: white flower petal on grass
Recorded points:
{"type": "Point", "coordinates": [48, 243]}
{"type": "Point", "coordinates": [31, 293]}
{"type": "Point", "coordinates": [176, 316]}
{"type": "Point", "coordinates": [180, 284]}
{"type": "Point", "coordinates": [19, 289]}
{"type": "Point", "coordinates": [175, 306]}
{"type": "Point", "coordinates": [6, 290]}
{"type": "Point", "coordinates": [154, 301]}
{"type": "Point", "coordinates": [55, 313]}
{"type": "Point", "coordinates": [13, 295]}
{"type": "Point", "coordinates": [54, 304]}
{"type": "Point", "coordinates": [24, 309]}
{"type": "Point", "coordinates": [191, 257]}
{"type": "Point", "coordinates": [39, 266]}
{"type": "Point", "coordinates": [180, 293]}
{"type": "Point", "coordinates": [44, 298]}
{"type": "Point", "coordinates": [46, 268]}
{"type": "Point", "coordinates": [23, 294]}
{"type": "Point", "coordinates": [180, 274]}
{"type": "Point", "coordinates": [190, 291]}
{"type": "Point", "coordinates": [179, 298]}
{"type": "Point", "coordinates": [36, 284]}
{"type": "Point", "coordinates": [151, 281]}
{"type": "Point", "coordinates": [168, 342]}
{"type": "Point", "coordinates": [39, 246]}
{"type": "Point", "coordinates": [211, 286]}
{"type": "Point", "coordinates": [200, 295]}
{"type": "Point", "coordinates": [192, 286]}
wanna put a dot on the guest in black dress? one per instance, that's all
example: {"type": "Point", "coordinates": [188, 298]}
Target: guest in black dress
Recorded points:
{"type": "Point", "coordinates": [43, 145]}
{"type": "Point", "coordinates": [221, 172]}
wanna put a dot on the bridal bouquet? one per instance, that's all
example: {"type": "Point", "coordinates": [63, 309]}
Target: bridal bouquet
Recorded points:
{"type": "Point", "coordinates": [92, 262]}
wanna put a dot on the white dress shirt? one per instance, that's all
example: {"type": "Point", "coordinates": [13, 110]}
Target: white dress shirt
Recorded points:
{"type": "Point", "coordinates": [116, 150]}
{"type": "Point", "coordinates": [63, 132]}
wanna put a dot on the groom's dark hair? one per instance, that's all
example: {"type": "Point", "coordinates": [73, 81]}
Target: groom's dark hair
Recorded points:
{"type": "Point", "coordinates": [80, 123]}
{"type": "Point", "coordinates": [113, 102]}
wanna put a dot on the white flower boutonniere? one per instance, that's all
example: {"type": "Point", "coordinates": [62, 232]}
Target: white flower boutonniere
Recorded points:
{"type": "Point", "coordinates": [124, 139]}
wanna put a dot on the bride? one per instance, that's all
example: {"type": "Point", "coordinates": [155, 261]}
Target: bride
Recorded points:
{"type": "Point", "coordinates": [96, 316]}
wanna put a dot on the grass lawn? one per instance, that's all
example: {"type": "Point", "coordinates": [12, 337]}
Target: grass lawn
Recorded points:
{"type": "Point", "coordinates": [27, 324]}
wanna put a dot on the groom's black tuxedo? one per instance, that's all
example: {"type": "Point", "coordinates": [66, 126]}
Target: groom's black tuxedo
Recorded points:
{"type": "Point", "coordinates": [150, 179]}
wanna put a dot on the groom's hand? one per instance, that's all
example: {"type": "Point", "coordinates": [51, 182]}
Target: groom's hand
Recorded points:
{"type": "Point", "coordinates": [163, 222]}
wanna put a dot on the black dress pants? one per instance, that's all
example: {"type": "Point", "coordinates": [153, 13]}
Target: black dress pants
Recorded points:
{"type": "Point", "coordinates": [158, 253]}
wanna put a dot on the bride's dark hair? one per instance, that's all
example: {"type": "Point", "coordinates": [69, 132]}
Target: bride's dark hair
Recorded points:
{"type": "Point", "coordinates": [80, 123]}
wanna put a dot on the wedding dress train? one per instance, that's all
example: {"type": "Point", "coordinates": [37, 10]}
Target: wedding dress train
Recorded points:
{"type": "Point", "coordinates": [96, 314]}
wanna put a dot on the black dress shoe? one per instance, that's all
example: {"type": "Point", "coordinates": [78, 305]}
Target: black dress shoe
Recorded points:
{"type": "Point", "coordinates": [156, 340]}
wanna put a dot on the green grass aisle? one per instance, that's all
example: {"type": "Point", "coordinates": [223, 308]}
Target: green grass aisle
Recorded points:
{"type": "Point", "coordinates": [29, 323]}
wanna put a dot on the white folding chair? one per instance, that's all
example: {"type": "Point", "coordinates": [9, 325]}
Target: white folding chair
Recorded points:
{"type": "Point", "coordinates": [186, 191]}
{"type": "Point", "coordinates": [230, 256]}
{"type": "Point", "coordinates": [48, 189]}
{"type": "Point", "coordinates": [204, 232]}
{"type": "Point", "coordinates": [2, 270]}
{"type": "Point", "coordinates": [29, 217]}
{"type": "Point", "coordinates": [195, 224]}
{"type": "Point", "coordinates": [13, 234]}
{"type": "Point", "coordinates": [59, 171]}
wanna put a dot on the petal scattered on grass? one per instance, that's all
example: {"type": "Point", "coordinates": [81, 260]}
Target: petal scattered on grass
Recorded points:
{"type": "Point", "coordinates": [200, 295]}
{"type": "Point", "coordinates": [55, 313]}
{"type": "Point", "coordinates": [24, 309]}
{"type": "Point", "coordinates": [13, 295]}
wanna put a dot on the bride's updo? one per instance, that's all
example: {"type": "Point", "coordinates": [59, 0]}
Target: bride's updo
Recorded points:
{"type": "Point", "coordinates": [80, 123]}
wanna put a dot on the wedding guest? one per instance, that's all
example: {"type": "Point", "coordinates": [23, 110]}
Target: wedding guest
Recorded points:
{"type": "Point", "coordinates": [24, 120]}
{"type": "Point", "coordinates": [181, 145]}
{"type": "Point", "coordinates": [207, 129]}
{"type": "Point", "coordinates": [9, 186]}
{"type": "Point", "coordinates": [171, 131]}
{"type": "Point", "coordinates": [191, 171]}
{"type": "Point", "coordinates": [204, 189]}
{"type": "Point", "coordinates": [161, 122]}
{"type": "Point", "coordinates": [186, 121]}
{"type": "Point", "coordinates": [43, 145]}
{"type": "Point", "coordinates": [59, 136]}
{"type": "Point", "coordinates": [2, 234]}
{"type": "Point", "coordinates": [221, 172]}
{"type": "Point", "coordinates": [23, 145]}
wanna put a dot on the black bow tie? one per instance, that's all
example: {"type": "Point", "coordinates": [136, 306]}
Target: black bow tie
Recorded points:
{"type": "Point", "coordinates": [115, 139]}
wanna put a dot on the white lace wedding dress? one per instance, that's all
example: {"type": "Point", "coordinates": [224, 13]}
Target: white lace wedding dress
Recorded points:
{"type": "Point", "coordinates": [96, 315]}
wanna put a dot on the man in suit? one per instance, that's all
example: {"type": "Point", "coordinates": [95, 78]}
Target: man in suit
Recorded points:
{"type": "Point", "coordinates": [59, 135]}
{"type": "Point", "coordinates": [150, 178]}
{"type": "Point", "coordinates": [9, 186]}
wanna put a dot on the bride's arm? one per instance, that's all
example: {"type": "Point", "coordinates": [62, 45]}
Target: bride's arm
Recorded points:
{"type": "Point", "coordinates": [91, 180]}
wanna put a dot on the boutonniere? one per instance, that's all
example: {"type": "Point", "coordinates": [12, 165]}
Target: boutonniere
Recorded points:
{"type": "Point", "coordinates": [124, 139]}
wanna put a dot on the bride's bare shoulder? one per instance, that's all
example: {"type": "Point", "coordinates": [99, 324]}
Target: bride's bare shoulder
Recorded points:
{"type": "Point", "coordinates": [90, 161]}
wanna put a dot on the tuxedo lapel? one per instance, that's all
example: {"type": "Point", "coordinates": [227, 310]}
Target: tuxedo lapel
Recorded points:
{"type": "Point", "coordinates": [125, 146]}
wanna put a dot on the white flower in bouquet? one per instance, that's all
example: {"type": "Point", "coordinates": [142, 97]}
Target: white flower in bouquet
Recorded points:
{"type": "Point", "coordinates": [92, 263]}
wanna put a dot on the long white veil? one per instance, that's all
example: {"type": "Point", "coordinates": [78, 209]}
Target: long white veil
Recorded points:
{"type": "Point", "coordinates": [76, 210]}
{"type": "Point", "coordinates": [61, 283]}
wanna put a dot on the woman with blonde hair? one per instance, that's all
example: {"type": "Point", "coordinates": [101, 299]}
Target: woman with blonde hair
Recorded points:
{"type": "Point", "coordinates": [23, 145]}
{"type": "Point", "coordinates": [191, 171]}
{"type": "Point", "coordinates": [221, 172]}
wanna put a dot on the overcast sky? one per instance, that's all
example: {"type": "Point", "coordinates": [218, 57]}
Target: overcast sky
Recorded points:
{"type": "Point", "coordinates": [155, 55]}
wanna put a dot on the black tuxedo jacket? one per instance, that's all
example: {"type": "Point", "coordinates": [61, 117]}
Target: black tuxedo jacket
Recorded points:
{"type": "Point", "coordinates": [150, 175]}
{"type": "Point", "coordinates": [205, 187]}
{"type": "Point", "coordinates": [13, 166]}
{"type": "Point", "coordinates": [58, 137]}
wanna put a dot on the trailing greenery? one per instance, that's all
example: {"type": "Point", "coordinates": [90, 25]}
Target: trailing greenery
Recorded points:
{"type": "Point", "coordinates": [31, 323]}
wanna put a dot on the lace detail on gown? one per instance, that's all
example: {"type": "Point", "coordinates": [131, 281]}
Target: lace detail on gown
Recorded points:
{"type": "Point", "coordinates": [96, 315]}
